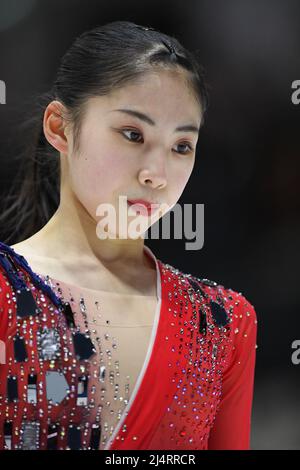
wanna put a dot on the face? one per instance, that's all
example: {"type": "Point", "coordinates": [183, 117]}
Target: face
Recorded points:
{"type": "Point", "coordinates": [123, 156]}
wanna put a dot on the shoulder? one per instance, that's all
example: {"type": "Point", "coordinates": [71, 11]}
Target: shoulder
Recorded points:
{"type": "Point", "coordinates": [5, 285]}
{"type": "Point", "coordinates": [228, 306]}
{"type": "Point", "coordinates": [224, 317]}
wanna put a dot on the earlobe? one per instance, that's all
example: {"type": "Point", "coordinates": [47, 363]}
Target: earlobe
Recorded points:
{"type": "Point", "coordinates": [54, 126]}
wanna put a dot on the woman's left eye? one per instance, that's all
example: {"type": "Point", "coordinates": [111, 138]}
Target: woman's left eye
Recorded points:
{"type": "Point", "coordinates": [185, 144]}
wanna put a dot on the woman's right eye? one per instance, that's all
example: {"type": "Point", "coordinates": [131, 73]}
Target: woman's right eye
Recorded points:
{"type": "Point", "coordinates": [132, 132]}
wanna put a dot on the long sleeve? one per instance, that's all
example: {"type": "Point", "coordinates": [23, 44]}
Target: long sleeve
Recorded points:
{"type": "Point", "coordinates": [232, 426]}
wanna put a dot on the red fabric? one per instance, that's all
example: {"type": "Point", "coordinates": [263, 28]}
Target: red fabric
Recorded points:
{"type": "Point", "coordinates": [187, 399]}
{"type": "Point", "coordinates": [232, 425]}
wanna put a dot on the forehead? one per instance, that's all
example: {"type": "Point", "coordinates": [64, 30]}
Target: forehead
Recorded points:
{"type": "Point", "coordinates": [164, 94]}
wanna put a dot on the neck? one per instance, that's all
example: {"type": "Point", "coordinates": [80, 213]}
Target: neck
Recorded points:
{"type": "Point", "coordinates": [71, 232]}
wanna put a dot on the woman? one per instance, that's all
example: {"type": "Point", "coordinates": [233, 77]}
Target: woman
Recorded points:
{"type": "Point", "coordinates": [106, 346]}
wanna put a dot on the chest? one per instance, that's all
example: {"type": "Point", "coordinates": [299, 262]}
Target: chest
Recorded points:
{"type": "Point", "coordinates": [121, 329]}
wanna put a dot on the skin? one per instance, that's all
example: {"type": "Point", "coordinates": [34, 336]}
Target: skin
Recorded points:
{"type": "Point", "coordinates": [108, 165]}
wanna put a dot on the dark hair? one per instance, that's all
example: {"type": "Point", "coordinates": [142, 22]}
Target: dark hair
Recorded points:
{"type": "Point", "coordinates": [97, 63]}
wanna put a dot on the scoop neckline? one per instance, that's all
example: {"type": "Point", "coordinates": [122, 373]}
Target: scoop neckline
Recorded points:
{"type": "Point", "coordinates": [57, 282]}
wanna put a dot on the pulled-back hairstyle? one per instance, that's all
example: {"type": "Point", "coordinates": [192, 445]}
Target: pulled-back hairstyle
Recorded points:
{"type": "Point", "coordinates": [98, 62]}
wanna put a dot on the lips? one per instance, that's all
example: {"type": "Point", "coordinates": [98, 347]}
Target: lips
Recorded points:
{"type": "Point", "coordinates": [142, 206]}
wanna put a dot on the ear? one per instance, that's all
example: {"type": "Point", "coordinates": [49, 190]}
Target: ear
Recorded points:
{"type": "Point", "coordinates": [54, 126]}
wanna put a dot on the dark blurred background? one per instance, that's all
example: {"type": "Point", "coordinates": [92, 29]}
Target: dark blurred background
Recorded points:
{"type": "Point", "coordinates": [247, 165]}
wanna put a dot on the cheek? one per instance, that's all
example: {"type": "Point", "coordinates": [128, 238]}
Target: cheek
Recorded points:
{"type": "Point", "coordinates": [95, 178]}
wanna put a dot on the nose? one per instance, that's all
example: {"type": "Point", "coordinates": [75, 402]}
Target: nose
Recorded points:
{"type": "Point", "coordinates": [153, 175]}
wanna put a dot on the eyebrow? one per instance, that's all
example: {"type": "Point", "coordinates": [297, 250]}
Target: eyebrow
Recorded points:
{"type": "Point", "coordinates": [145, 118]}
